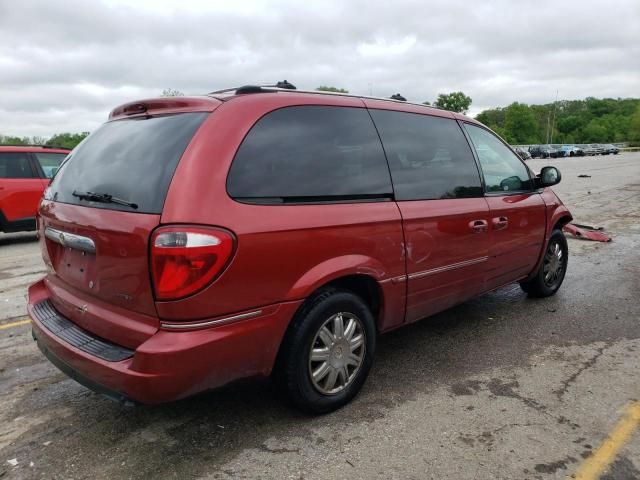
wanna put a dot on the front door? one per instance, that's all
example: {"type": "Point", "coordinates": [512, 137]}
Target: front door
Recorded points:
{"type": "Point", "coordinates": [445, 217]}
{"type": "Point", "coordinates": [518, 213]}
{"type": "Point", "coordinates": [20, 189]}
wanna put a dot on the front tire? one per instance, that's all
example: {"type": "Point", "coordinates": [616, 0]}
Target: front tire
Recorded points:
{"type": "Point", "coordinates": [552, 270]}
{"type": "Point", "coordinates": [327, 351]}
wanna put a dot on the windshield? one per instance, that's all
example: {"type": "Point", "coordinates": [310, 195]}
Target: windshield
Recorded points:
{"type": "Point", "coordinates": [131, 159]}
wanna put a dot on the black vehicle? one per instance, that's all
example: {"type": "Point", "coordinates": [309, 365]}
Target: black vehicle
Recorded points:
{"type": "Point", "coordinates": [543, 151]}
{"type": "Point", "coordinates": [608, 148]}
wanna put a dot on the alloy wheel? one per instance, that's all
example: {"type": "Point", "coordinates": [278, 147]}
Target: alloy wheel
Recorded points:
{"type": "Point", "coordinates": [553, 266]}
{"type": "Point", "coordinates": [337, 353]}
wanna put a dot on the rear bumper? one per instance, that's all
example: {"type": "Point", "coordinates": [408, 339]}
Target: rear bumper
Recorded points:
{"type": "Point", "coordinates": [171, 365]}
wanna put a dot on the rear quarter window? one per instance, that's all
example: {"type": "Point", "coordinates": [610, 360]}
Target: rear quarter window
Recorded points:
{"type": "Point", "coordinates": [310, 154]}
{"type": "Point", "coordinates": [132, 159]}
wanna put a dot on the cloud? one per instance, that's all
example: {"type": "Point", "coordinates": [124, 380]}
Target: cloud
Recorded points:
{"type": "Point", "coordinates": [65, 65]}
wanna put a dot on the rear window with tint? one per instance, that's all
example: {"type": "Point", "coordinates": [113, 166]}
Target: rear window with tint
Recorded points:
{"type": "Point", "coordinates": [311, 154]}
{"type": "Point", "coordinates": [131, 159]}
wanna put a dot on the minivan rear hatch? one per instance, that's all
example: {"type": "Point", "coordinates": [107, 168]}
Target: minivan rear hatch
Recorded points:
{"type": "Point", "coordinates": [97, 217]}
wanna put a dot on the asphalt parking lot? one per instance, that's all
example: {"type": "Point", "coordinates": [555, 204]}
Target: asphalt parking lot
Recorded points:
{"type": "Point", "coordinates": [501, 387]}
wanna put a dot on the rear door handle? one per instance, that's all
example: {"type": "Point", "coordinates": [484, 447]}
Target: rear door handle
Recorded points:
{"type": "Point", "coordinates": [478, 226]}
{"type": "Point", "coordinates": [500, 223]}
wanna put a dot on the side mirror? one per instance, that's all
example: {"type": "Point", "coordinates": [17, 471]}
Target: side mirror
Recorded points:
{"type": "Point", "coordinates": [548, 177]}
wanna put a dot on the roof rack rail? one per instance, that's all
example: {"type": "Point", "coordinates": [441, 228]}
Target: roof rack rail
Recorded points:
{"type": "Point", "coordinates": [284, 84]}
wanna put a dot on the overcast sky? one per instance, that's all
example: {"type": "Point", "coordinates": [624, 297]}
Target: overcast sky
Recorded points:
{"type": "Point", "coordinates": [64, 64]}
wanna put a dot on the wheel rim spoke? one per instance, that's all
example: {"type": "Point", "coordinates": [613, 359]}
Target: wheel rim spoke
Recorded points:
{"type": "Point", "coordinates": [320, 354]}
{"type": "Point", "coordinates": [321, 371]}
{"type": "Point", "coordinates": [353, 359]}
{"type": "Point", "coordinates": [338, 326]}
{"type": "Point", "coordinates": [331, 379]}
{"type": "Point", "coordinates": [351, 328]}
{"type": "Point", "coordinates": [356, 342]}
{"type": "Point", "coordinates": [326, 336]}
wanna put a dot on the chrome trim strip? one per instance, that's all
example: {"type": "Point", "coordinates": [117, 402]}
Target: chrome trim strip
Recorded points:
{"type": "Point", "coordinates": [71, 240]}
{"type": "Point", "coordinates": [211, 323]}
{"type": "Point", "coordinates": [398, 279]}
{"type": "Point", "coordinates": [446, 268]}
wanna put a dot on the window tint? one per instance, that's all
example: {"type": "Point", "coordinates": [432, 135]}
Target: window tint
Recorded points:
{"type": "Point", "coordinates": [132, 159]}
{"type": "Point", "coordinates": [502, 169]}
{"type": "Point", "coordinates": [15, 165]}
{"type": "Point", "coordinates": [49, 162]}
{"type": "Point", "coordinates": [429, 157]}
{"type": "Point", "coordinates": [310, 153]}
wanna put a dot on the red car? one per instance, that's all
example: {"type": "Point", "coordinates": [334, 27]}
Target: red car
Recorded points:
{"type": "Point", "coordinates": [191, 242]}
{"type": "Point", "coordinates": [24, 174]}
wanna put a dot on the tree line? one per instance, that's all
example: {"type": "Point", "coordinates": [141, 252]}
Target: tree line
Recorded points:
{"type": "Point", "coordinates": [64, 140]}
{"type": "Point", "coordinates": [592, 120]}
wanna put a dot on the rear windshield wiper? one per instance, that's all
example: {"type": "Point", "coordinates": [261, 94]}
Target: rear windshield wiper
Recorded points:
{"type": "Point", "coordinates": [104, 198]}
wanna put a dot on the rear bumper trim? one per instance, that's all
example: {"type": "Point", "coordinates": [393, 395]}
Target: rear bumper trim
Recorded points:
{"type": "Point", "coordinates": [211, 323]}
{"type": "Point", "coordinates": [66, 330]}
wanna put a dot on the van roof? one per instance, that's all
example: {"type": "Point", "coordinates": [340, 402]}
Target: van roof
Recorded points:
{"type": "Point", "coordinates": [212, 100]}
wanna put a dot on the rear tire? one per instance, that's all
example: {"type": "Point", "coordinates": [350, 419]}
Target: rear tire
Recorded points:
{"type": "Point", "coordinates": [327, 351]}
{"type": "Point", "coordinates": [552, 270]}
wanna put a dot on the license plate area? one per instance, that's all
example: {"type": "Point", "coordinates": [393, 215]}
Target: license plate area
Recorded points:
{"type": "Point", "coordinates": [76, 267]}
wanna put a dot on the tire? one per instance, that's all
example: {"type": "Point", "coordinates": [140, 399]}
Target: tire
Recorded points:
{"type": "Point", "coordinates": [314, 328]}
{"type": "Point", "coordinates": [571, 154]}
{"type": "Point", "coordinates": [552, 270]}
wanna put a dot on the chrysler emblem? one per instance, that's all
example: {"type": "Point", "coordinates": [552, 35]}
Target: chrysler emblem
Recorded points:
{"type": "Point", "coordinates": [61, 238]}
{"type": "Point", "coordinates": [83, 309]}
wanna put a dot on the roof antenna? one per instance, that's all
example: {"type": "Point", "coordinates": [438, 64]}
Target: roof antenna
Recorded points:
{"type": "Point", "coordinates": [397, 96]}
{"type": "Point", "coordinates": [286, 85]}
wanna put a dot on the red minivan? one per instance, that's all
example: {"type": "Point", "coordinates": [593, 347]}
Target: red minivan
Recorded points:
{"type": "Point", "coordinates": [191, 242]}
{"type": "Point", "coordinates": [25, 171]}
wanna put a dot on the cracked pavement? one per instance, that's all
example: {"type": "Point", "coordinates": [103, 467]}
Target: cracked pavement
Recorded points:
{"type": "Point", "coordinates": [501, 387]}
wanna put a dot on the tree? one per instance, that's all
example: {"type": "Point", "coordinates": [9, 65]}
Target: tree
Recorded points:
{"type": "Point", "coordinates": [520, 124]}
{"type": "Point", "coordinates": [454, 102]}
{"type": "Point", "coordinates": [169, 92]}
{"type": "Point", "coordinates": [634, 127]}
{"type": "Point", "coordinates": [325, 88]}
{"type": "Point", "coordinates": [67, 140]}
{"type": "Point", "coordinates": [577, 121]}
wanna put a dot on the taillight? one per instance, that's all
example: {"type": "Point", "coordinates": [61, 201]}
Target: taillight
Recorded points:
{"type": "Point", "coordinates": [184, 260]}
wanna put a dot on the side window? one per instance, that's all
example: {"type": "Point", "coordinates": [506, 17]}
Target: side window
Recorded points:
{"type": "Point", "coordinates": [310, 153]}
{"type": "Point", "coordinates": [15, 165]}
{"type": "Point", "coordinates": [503, 171]}
{"type": "Point", "coordinates": [49, 162]}
{"type": "Point", "coordinates": [429, 157]}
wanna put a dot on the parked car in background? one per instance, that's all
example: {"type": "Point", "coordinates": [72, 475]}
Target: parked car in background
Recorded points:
{"type": "Point", "coordinates": [543, 151]}
{"type": "Point", "coordinates": [289, 253]}
{"type": "Point", "coordinates": [608, 148]}
{"type": "Point", "coordinates": [593, 149]}
{"type": "Point", "coordinates": [570, 151]}
{"type": "Point", "coordinates": [24, 174]}
{"type": "Point", "coordinates": [546, 151]}
{"type": "Point", "coordinates": [522, 153]}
